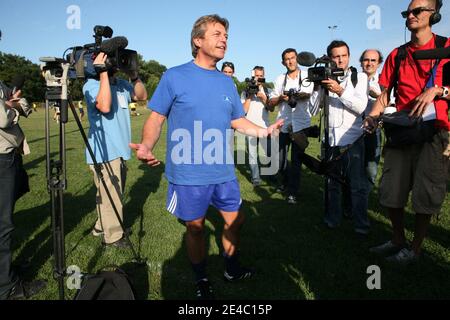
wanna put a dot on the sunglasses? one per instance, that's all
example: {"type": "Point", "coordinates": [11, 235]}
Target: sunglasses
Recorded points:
{"type": "Point", "coordinates": [415, 11]}
{"type": "Point", "coordinates": [228, 64]}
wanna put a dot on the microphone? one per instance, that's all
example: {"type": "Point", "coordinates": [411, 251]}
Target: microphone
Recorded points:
{"type": "Point", "coordinates": [306, 59]}
{"type": "Point", "coordinates": [111, 46]}
{"type": "Point", "coordinates": [439, 53]}
{"type": "Point", "coordinates": [17, 83]}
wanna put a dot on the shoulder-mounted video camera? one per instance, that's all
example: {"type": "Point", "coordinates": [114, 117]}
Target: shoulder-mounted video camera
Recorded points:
{"type": "Point", "coordinates": [81, 59]}
{"type": "Point", "coordinates": [324, 68]}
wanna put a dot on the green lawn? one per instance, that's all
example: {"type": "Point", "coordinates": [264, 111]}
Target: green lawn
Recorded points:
{"type": "Point", "coordinates": [295, 256]}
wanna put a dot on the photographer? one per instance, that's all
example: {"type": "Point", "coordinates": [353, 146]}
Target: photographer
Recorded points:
{"type": "Point", "coordinates": [420, 167]}
{"type": "Point", "coordinates": [107, 102]}
{"type": "Point", "coordinates": [14, 182]}
{"type": "Point", "coordinates": [292, 98]}
{"type": "Point", "coordinates": [347, 102]}
{"type": "Point", "coordinates": [254, 100]}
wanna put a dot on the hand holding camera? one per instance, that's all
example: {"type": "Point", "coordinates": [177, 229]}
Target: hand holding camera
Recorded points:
{"type": "Point", "coordinates": [295, 95]}
{"type": "Point", "coordinates": [333, 86]}
{"type": "Point", "coordinates": [253, 85]}
{"type": "Point", "coordinates": [370, 124]}
{"type": "Point", "coordinates": [100, 63]}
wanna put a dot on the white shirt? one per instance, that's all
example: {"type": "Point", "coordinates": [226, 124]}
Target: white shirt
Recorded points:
{"type": "Point", "coordinates": [284, 110]}
{"type": "Point", "coordinates": [257, 112]}
{"type": "Point", "coordinates": [375, 86]}
{"type": "Point", "coordinates": [301, 114]}
{"type": "Point", "coordinates": [345, 112]}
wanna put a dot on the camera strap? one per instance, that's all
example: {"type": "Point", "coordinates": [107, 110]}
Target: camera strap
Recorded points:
{"type": "Point", "coordinates": [299, 80]}
{"type": "Point", "coordinates": [354, 76]}
{"type": "Point", "coordinates": [402, 53]}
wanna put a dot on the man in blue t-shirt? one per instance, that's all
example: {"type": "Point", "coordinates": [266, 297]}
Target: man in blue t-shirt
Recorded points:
{"type": "Point", "coordinates": [202, 107]}
{"type": "Point", "coordinates": [107, 102]}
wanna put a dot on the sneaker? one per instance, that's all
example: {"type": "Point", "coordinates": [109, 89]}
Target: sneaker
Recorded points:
{"type": "Point", "coordinates": [386, 248]}
{"type": "Point", "coordinates": [25, 290]}
{"type": "Point", "coordinates": [122, 243]}
{"type": "Point", "coordinates": [404, 256]}
{"type": "Point", "coordinates": [97, 232]}
{"type": "Point", "coordinates": [204, 290]}
{"type": "Point", "coordinates": [244, 273]}
{"type": "Point", "coordinates": [291, 199]}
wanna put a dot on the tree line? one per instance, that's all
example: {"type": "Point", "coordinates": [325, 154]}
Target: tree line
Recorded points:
{"type": "Point", "coordinates": [33, 90]}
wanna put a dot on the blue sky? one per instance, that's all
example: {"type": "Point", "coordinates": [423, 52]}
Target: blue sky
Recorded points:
{"type": "Point", "coordinates": [160, 30]}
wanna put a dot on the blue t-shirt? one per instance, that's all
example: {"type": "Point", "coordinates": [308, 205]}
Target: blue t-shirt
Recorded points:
{"type": "Point", "coordinates": [110, 133]}
{"type": "Point", "coordinates": [199, 105]}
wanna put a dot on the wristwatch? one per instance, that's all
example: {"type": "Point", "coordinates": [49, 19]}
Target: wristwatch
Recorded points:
{"type": "Point", "coordinates": [445, 92]}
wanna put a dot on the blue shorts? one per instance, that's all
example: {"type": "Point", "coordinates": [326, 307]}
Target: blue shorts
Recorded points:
{"type": "Point", "coordinates": [190, 203]}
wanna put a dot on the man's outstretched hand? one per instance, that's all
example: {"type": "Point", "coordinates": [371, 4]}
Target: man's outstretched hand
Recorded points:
{"type": "Point", "coordinates": [274, 129]}
{"type": "Point", "coordinates": [144, 154]}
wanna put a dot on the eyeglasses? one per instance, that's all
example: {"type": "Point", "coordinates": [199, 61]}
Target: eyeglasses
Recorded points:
{"type": "Point", "coordinates": [370, 60]}
{"type": "Point", "coordinates": [415, 11]}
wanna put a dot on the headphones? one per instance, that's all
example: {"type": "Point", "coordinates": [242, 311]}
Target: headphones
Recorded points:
{"type": "Point", "coordinates": [436, 16]}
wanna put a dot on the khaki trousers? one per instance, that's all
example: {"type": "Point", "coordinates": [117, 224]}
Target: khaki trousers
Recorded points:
{"type": "Point", "coordinates": [114, 173]}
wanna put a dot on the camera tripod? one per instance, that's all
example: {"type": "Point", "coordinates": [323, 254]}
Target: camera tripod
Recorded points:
{"type": "Point", "coordinates": [56, 75]}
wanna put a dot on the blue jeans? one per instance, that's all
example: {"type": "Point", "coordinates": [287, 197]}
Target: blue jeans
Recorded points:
{"type": "Point", "coordinates": [351, 167]}
{"type": "Point", "coordinates": [284, 144]}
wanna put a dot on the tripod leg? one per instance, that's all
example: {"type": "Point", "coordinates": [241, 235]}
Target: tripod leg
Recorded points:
{"type": "Point", "coordinates": [99, 173]}
{"type": "Point", "coordinates": [56, 186]}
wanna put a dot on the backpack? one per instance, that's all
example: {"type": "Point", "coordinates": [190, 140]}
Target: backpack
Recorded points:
{"type": "Point", "coordinates": [401, 55]}
{"type": "Point", "coordinates": [399, 129]}
{"type": "Point", "coordinates": [106, 285]}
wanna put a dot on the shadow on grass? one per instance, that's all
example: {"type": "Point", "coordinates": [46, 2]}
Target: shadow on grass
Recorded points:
{"type": "Point", "coordinates": [39, 248]}
{"type": "Point", "coordinates": [297, 257]}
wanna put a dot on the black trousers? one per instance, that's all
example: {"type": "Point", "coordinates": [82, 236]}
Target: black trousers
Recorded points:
{"type": "Point", "coordinates": [14, 183]}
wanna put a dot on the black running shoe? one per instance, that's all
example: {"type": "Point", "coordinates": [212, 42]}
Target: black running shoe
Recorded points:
{"type": "Point", "coordinates": [243, 273]}
{"type": "Point", "coordinates": [204, 290]}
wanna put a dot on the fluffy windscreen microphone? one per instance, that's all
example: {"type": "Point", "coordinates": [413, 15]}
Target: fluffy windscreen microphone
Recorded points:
{"type": "Point", "coordinates": [306, 59]}
{"type": "Point", "coordinates": [439, 53]}
{"type": "Point", "coordinates": [111, 46]}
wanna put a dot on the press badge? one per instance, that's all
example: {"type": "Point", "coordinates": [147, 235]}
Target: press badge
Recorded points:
{"type": "Point", "coordinates": [122, 101]}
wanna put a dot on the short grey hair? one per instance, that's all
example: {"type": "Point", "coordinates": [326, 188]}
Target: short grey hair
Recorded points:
{"type": "Point", "coordinates": [199, 28]}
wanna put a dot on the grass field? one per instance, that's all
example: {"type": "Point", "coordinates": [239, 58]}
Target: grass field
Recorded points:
{"type": "Point", "coordinates": [295, 255]}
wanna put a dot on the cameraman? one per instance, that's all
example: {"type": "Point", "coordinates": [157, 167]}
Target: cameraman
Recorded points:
{"type": "Point", "coordinates": [14, 182]}
{"type": "Point", "coordinates": [107, 102]}
{"type": "Point", "coordinates": [254, 100]}
{"type": "Point", "coordinates": [347, 102]}
{"type": "Point", "coordinates": [296, 114]}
